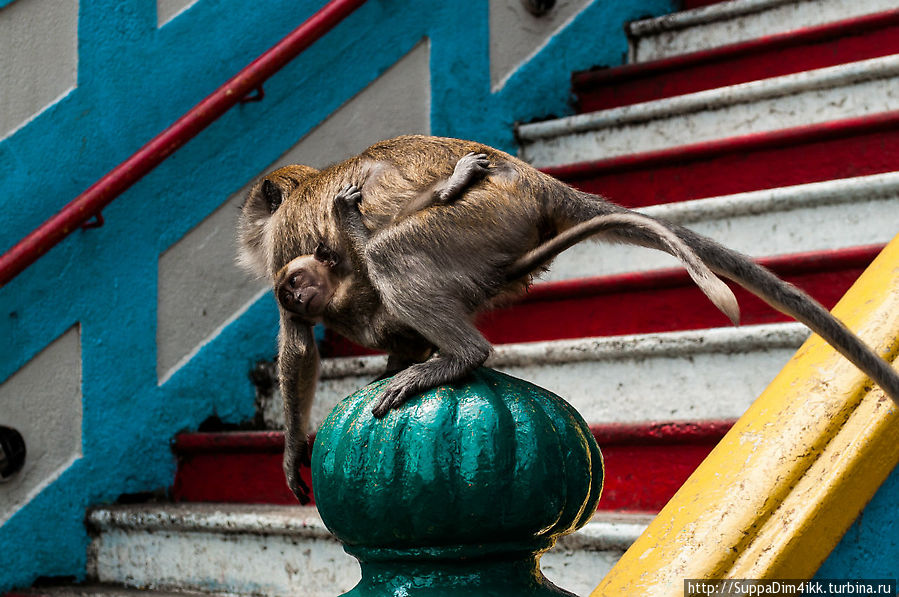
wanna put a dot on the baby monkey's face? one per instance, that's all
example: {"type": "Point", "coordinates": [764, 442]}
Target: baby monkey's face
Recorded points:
{"type": "Point", "coordinates": [306, 284]}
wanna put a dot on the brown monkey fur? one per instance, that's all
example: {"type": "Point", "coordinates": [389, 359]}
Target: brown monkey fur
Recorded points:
{"type": "Point", "coordinates": [410, 280]}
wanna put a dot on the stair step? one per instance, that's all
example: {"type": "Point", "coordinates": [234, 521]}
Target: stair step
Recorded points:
{"type": "Point", "coordinates": [100, 590]}
{"type": "Point", "coordinates": [596, 375]}
{"type": "Point", "coordinates": [580, 560]}
{"type": "Point", "coordinates": [645, 463]}
{"type": "Point", "coordinates": [836, 214]}
{"type": "Point", "coordinates": [735, 21]}
{"type": "Point", "coordinates": [285, 550]}
{"type": "Point", "coordinates": [832, 150]}
{"type": "Point", "coordinates": [262, 550]}
{"type": "Point", "coordinates": [801, 99]}
{"type": "Point", "coordinates": [770, 56]}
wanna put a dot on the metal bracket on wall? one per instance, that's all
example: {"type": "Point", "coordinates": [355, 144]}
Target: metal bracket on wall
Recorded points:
{"type": "Point", "coordinates": [538, 8]}
{"type": "Point", "coordinates": [94, 222]}
{"type": "Point", "coordinates": [255, 96]}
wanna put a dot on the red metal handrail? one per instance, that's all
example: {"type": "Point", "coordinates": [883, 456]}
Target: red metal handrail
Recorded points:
{"type": "Point", "coordinates": [89, 203]}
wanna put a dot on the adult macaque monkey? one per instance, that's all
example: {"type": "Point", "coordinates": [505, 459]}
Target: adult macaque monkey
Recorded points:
{"type": "Point", "coordinates": [405, 272]}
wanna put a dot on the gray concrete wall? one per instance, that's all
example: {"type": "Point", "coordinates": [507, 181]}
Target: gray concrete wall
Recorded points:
{"type": "Point", "coordinates": [166, 10]}
{"type": "Point", "coordinates": [516, 34]}
{"type": "Point", "coordinates": [38, 58]}
{"type": "Point", "coordinates": [42, 401]}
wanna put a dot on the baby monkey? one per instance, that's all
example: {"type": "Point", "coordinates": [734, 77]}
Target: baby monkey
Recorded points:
{"type": "Point", "coordinates": [398, 249]}
{"type": "Point", "coordinates": [306, 285]}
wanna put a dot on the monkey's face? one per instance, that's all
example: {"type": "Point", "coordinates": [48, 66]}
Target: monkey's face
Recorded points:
{"type": "Point", "coordinates": [306, 284]}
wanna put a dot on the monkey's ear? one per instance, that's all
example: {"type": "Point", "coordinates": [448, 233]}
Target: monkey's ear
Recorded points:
{"type": "Point", "coordinates": [255, 218]}
{"type": "Point", "coordinates": [325, 255]}
{"type": "Point", "coordinates": [272, 195]}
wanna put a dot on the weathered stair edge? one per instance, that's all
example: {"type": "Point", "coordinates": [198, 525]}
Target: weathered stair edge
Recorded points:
{"type": "Point", "coordinates": [101, 590]}
{"type": "Point", "coordinates": [596, 375]}
{"type": "Point", "coordinates": [285, 550]}
{"type": "Point", "coordinates": [729, 22]}
{"type": "Point", "coordinates": [799, 99]}
{"type": "Point", "coordinates": [859, 38]}
{"type": "Point", "coordinates": [850, 40]}
{"type": "Point", "coordinates": [821, 216]}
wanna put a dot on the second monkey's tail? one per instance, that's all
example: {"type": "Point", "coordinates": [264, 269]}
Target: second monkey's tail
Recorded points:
{"type": "Point", "coordinates": [708, 282]}
{"type": "Point", "coordinates": [781, 295]}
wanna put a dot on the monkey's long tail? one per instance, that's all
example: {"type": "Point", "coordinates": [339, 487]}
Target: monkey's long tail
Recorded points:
{"type": "Point", "coordinates": [717, 291]}
{"type": "Point", "coordinates": [781, 295]}
{"type": "Point", "coordinates": [788, 299]}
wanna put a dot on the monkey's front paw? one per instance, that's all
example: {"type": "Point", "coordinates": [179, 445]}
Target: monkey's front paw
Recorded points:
{"type": "Point", "coordinates": [348, 199]}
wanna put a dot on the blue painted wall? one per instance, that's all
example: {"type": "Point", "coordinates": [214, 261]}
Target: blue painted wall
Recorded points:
{"type": "Point", "coordinates": [134, 79]}
{"type": "Point", "coordinates": [870, 548]}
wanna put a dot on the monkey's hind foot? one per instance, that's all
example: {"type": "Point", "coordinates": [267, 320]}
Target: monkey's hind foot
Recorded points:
{"type": "Point", "coordinates": [291, 465]}
{"type": "Point", "coordinates": [396, 392]}
{"type": "Point", "coordinates": [391, 398]}
{"type": "Point", "coordinates": [299, 489]}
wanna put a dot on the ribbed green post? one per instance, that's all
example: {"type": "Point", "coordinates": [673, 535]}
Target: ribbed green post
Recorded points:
{"type": "Point", "coordinates": [460, 490]}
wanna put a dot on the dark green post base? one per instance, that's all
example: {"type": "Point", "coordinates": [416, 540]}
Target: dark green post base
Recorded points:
{"type": "Point", "coordinates": [460, 490]}
{"type": "Point", "coordinates": [475, 578]}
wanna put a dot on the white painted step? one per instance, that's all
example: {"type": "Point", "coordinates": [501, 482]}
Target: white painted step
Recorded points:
{"type": "Point", "coordinates": [811, 97]}
{"type": "Point", "coordinates": [239, 549]}
{"type": "Point", "coordinates": [286, 550]}
{"type": "Point", "coordinates": [99, 590]}
{"type": "Point", "coordinates": [736, 21]}
{"type": "Point", "coordinates": [690, 375]}
{"type": "Point", "coordinates": [834, 214]}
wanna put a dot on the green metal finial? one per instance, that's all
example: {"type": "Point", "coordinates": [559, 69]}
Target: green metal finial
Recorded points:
{"type": "Point", "coordinates": [460, 490]}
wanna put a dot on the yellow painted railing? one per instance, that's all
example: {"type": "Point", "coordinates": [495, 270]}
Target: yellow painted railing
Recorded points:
{"type": "Point", "coordinates": [774, 498]}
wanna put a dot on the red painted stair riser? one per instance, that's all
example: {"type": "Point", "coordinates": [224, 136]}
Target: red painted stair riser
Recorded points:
{"type": "Point", "coordinates": [815, 153]}
{"type": "Point", "coordinates": [870, 36]}
{"type": "Point", "coordinates": [644, 464]}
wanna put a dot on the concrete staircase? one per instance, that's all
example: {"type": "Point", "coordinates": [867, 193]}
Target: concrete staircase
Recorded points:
{"type": "Point", "coordinates": [770, 125]}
